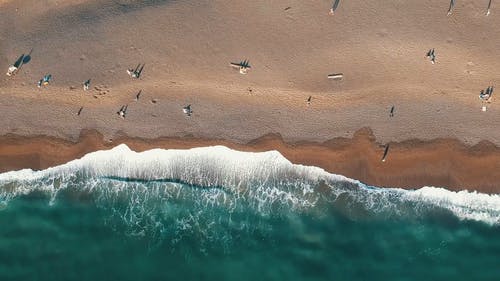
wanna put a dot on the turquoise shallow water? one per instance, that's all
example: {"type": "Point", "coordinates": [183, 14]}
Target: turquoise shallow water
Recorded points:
{"type": "Point", "coordinates": [211, 220]}
{"type": "Point", "coordinates": [75, 240]}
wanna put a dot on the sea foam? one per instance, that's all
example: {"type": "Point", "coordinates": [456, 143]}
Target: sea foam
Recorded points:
{"type": "Point", "coordinates": [264, 182]}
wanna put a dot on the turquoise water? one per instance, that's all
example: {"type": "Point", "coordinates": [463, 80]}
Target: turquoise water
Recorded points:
{"type": "Point", "coordinates": [235, 216]}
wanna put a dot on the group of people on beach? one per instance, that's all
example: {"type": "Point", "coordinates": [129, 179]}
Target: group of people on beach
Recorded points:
{"type": "Point", "coordinates": [452, 5]}
{"type": "Point", "coordinates": [243, 67]}
{"type": "Point", "coordinates": [335, 5]}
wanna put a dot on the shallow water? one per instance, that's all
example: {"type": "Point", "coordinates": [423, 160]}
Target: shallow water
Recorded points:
{"type": "Point", "coordinates": [214, 213]}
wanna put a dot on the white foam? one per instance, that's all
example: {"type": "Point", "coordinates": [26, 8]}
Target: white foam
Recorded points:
{"type": "Point", "coordinates": [221, 162]}
{"type": "Point", "coordinates": [464, 204]}
{"type": "Point", "coordinates": [264, 177]}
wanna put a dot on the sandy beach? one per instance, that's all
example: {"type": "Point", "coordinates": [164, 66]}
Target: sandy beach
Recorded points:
{"type": "Point", "coordinates": [439, 136]}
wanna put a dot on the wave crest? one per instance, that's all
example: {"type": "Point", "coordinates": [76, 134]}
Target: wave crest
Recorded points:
{"type": "Point", "coordinates": [215, 189]}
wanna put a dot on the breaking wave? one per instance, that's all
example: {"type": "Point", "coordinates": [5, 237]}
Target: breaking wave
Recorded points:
{"type": "Point", "coordinates": [213, 190]}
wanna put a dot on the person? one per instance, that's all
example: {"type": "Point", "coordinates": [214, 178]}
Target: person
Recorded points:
{"type": "Point", "coordinates": [432, 55]}
{"type": "Point", "coordinates": [138, 95]}
{"type": "Point", "coordinates": [450, 10]}
{"type": "Point", "coordinates": [86, 85]}
{"type": "Point", "coordinates": [45, 80]}
{"type": "Point", "coordinates": [136, 73]}
{"type": "Point", "coordinates": [131, 71]}
{"type": "Point", "coordinates": [485, 97]}
{"type": "Point", "coordinates": [123, 111]}
{"type": "Point", "coordinates": [242, 66]}
{"type": "Point", "coordinates": [12, 70]}
{"type": "Point", "coordinates": [187, 110]}
{"type": "Point", "coordinates": [385, 152]}
{"type": "Point", "coordinates": [334, 7]}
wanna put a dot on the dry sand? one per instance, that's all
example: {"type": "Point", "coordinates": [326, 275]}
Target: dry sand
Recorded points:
{"type": "Point", "coordinates": [380, 47]}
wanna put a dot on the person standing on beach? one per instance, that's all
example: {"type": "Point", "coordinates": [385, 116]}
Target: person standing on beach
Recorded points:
{"type": "Point", "coordinates": [86, 85]}
{"type": "Point", "coordinates": [187, 110]}
{"type": "Point", "coordinates": [386, 150]}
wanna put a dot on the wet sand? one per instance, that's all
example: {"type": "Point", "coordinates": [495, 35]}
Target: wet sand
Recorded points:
{"type": "Point", "coordinates": [409, 164]}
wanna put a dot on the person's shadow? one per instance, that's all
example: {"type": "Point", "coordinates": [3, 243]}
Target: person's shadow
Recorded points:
{"type": "Point", "coordinates": [23, 59]}
{"type": "Point", "coordinates": [27, 58]}
{"type": "Point", "coordinates": [19, 61]}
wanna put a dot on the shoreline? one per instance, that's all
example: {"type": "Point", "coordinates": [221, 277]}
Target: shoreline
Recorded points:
{"type": "Point", "coordinates": [410, 164]}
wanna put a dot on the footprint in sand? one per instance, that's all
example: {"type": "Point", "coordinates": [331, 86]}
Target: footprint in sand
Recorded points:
{"type": "Point", "coordinates": [383, 32]}
{"type": "Point", "coordinates": [468, 68]}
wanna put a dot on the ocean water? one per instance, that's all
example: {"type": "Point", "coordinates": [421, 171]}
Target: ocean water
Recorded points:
{"type": "Point", "coordinates": [217, 214]}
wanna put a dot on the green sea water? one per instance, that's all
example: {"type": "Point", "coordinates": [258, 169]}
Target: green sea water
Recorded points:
{"type": "Point", "coordinates": [76, 240]}
{"type": "Point", "coordinates": [69, 224]}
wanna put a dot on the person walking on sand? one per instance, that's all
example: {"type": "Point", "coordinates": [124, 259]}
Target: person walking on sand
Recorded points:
{"type": "Point", "coordinates": [136, 72]}
{"type": "Point", "coordinates": [432, 55]}
{"type": "Point", "coordinates": [138, 95]}
{"type": "Point", "coordinates": [488, 10]}
{"type": "Point", "coordinates": [391, 113]}
{"type": "Point", "coordinates": [450, 10]}
{"type": "Point", "coordinates": [123, 111]}
{"type": "Point", "coordinates": [334, 7]}
{"type": "Point", "coordinates": [485, 97]}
